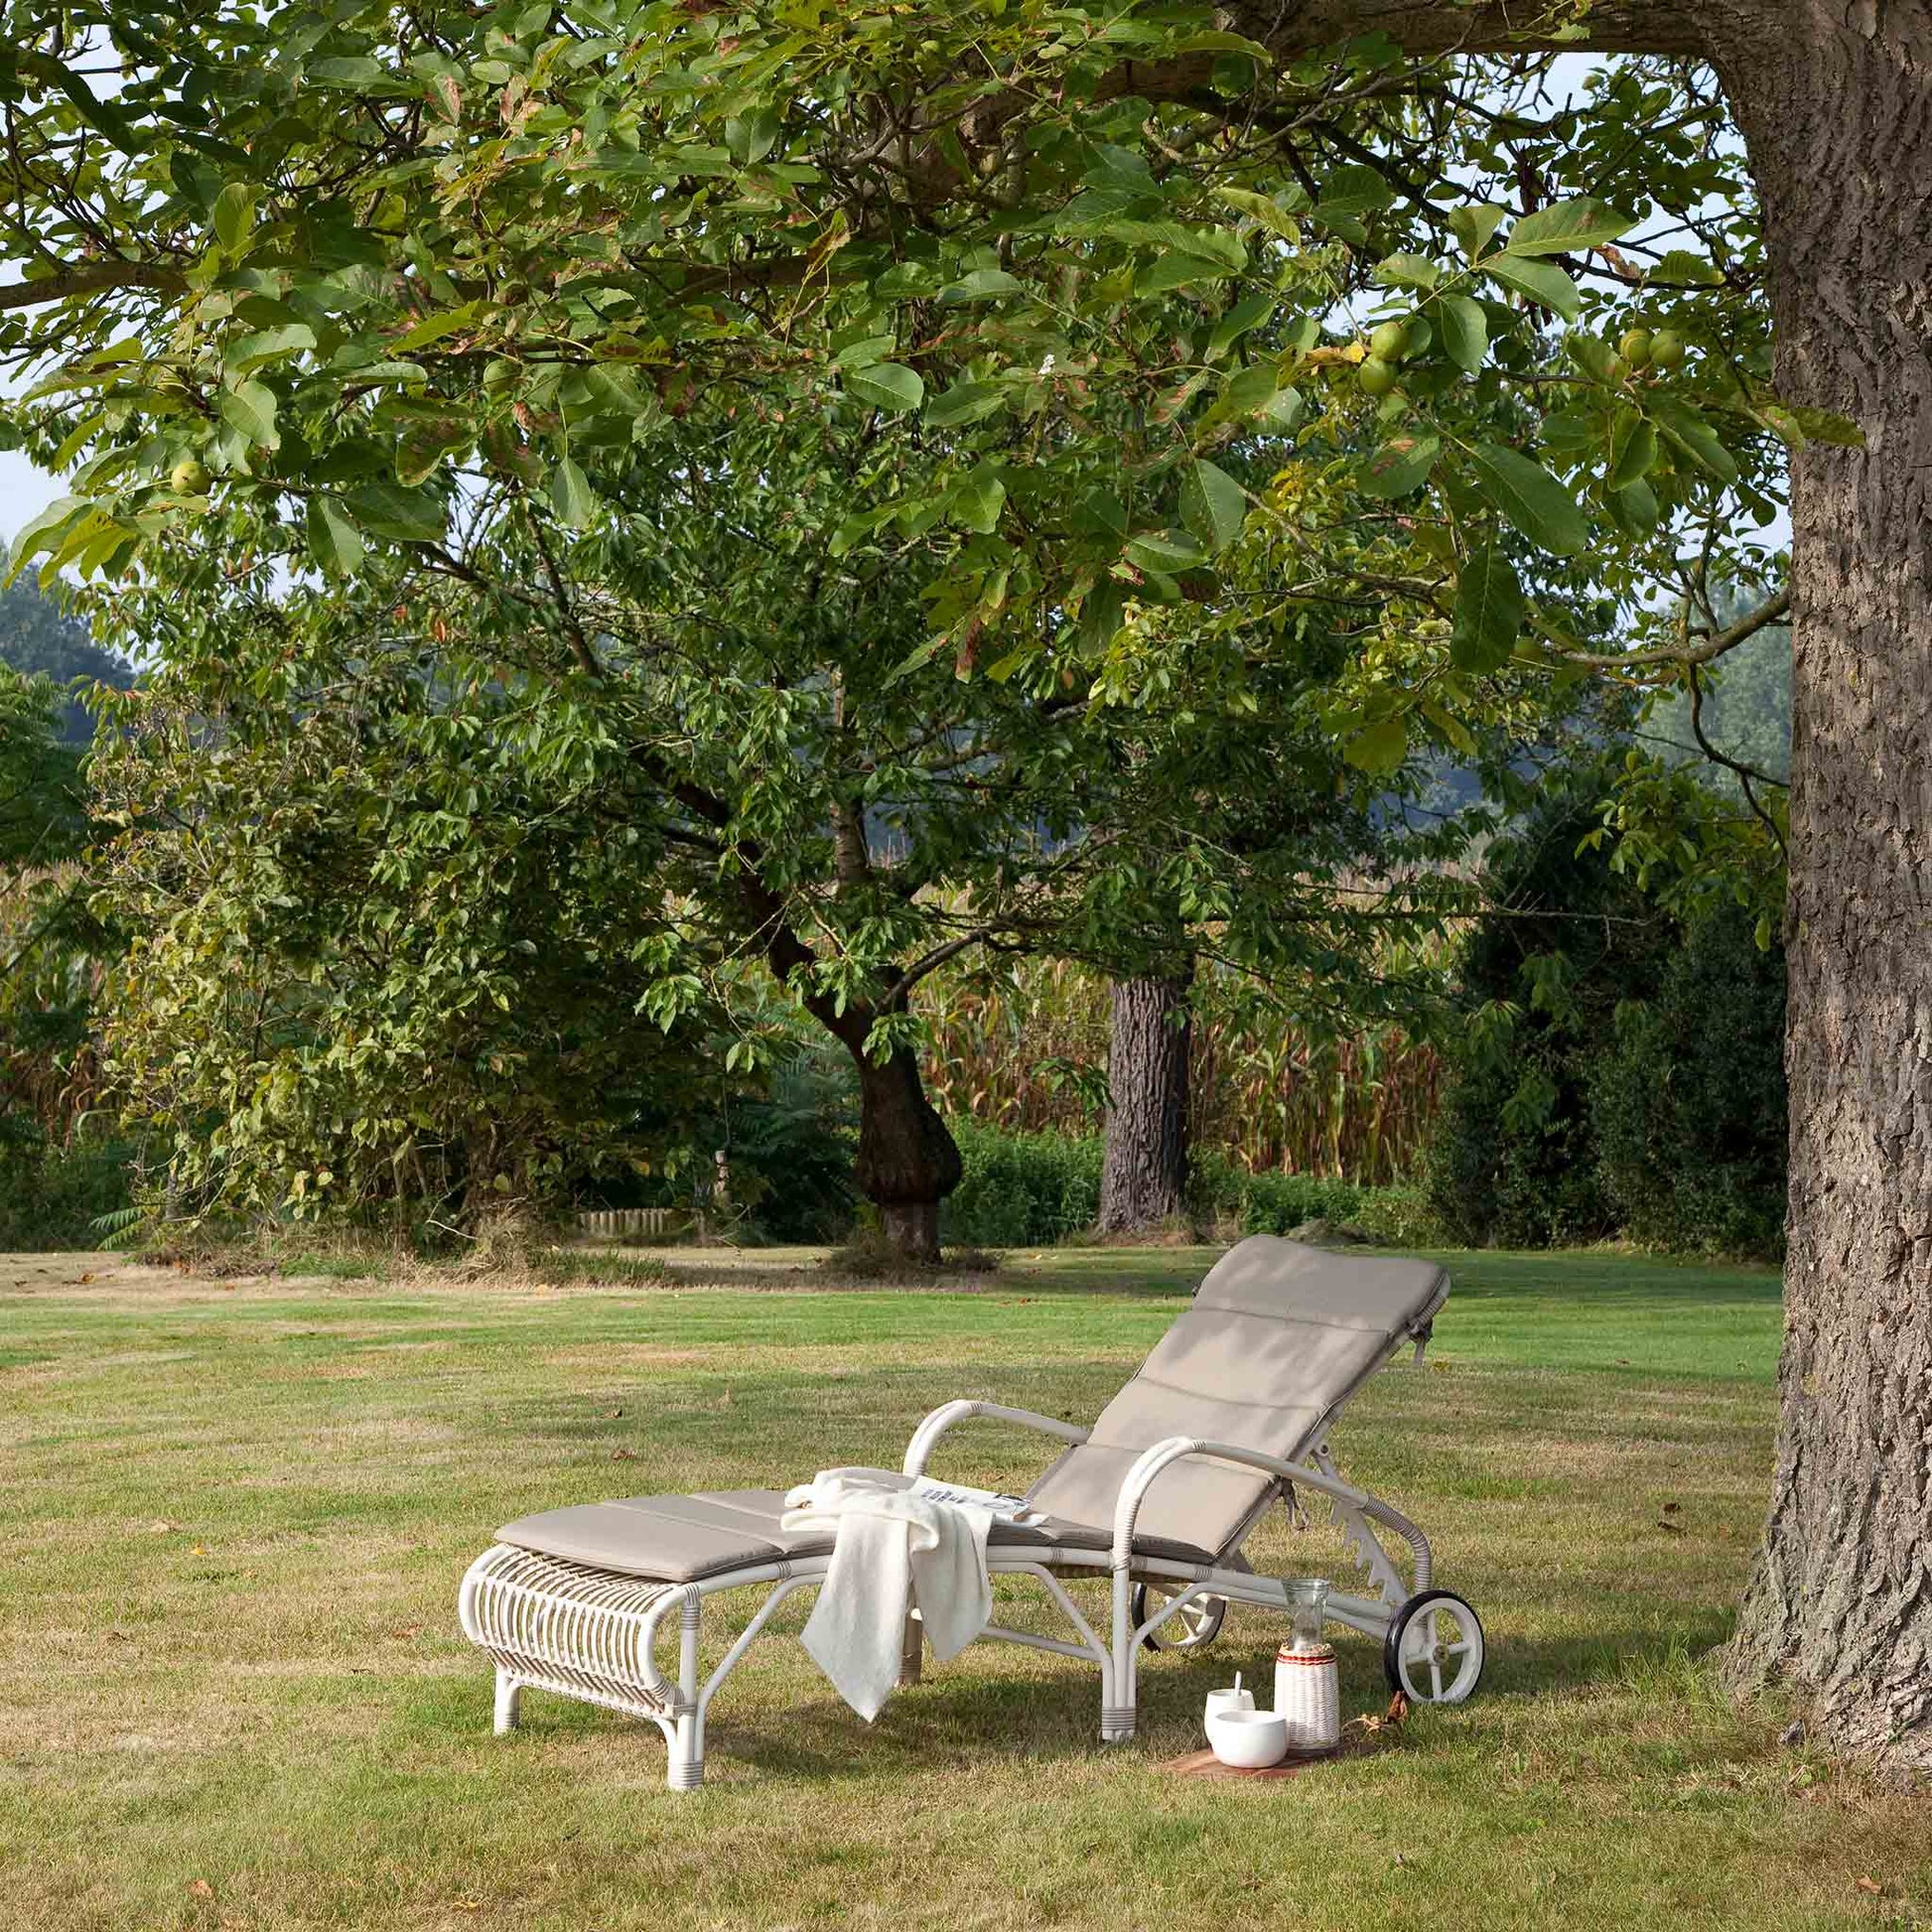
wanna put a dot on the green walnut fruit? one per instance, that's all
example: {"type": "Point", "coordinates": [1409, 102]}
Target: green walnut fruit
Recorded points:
{"type": "Point", "coordinates": [1375, 376]}
{"type": "Point", "coordinates": [1416, 335]}
{"type": "Point", "coordinates": [1666, 349]}
{"type": "Point", "coordinates": [1635, 348]}
{"type": "Point", "coordinates": [1390, 342]}
{"type": "Point", "coordinates": [189, 477]}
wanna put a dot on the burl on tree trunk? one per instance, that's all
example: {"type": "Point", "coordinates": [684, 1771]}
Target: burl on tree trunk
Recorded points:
{"type": "Point", "coordinates": [1144, 1179]}
{"type": "Point", "coordinates": [1836, 101]}
{"type": "Point", "coordinates": [907, 1162]}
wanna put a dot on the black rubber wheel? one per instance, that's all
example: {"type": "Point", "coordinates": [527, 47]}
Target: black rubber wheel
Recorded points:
{"type": "Point", "coordinates": [1436, 1627]}
{"type": "Point", "coordinates": [1201, 1620]}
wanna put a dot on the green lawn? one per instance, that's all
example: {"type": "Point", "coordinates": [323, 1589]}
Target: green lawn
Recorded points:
{"type": "Point", "coordinates": [232, 1692]}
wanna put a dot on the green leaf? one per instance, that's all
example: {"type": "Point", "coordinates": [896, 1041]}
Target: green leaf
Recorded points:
{"type": "Point", "coordinates": [392, 510]}
{"type": "Point", "coordinates": [1354, 189]}
{"type": "Point", "coordinates": [982, 285]}
{"type": "Point", "coordinates": [1380, 749]}
{"type": "Point", "coordinates": [350, 70]}
{"type": "Point", "coordinates": [432, 328]}
{"type": "Point", "coordinates": [1542, 282]}
{"type": "Point", "coordinates": [1679, 266]}
{"type": "Point", "coordinates": [1407, 271]}
{"type": "Point", "coordinates": [1401, 464]}
{"type": "Point", "coordinates": [250, 411]}
{"type": "Point", "coordinates": [1489, 613]}
{"type": "Point", "coordinates": [1686, 431]}
{"type": "Point", "coordinates": [1465, 330]}
{"type": "Point", "coordinates": [1174, 270]}
{"type": "Point", "coordinates": [890, 386]}
{"type": "Point", "coordinates": [1799, 425]}
{"type": "Point", "coordinates": [268, 345]}
{"type": "Point", "coordinates": [1566, 227]}
{"type": "Point", "coordinates": [1246, 201]}
{"type": "Point", "coordinates": [1475, 225]}
{"type": "Point", "coordinates": [752, 136]}
{"type": "Point", "coordinates": [1531, 499]}
{"type": "Point", "coordinates": [570, 494]}
{"type": "Point", "coordinates": [1249, 391]}
{"type": "Point", "coordinates": [1212, 505]}
{"type": "Point", "coordinates": [234, 215]}
{"type": "Point", "coordinates": [333, 541]}
{"type": "Point", "coordinates": [1165, 551]}
{"type": "Point", "coordinates": [1635, 508]}
{"type": "Point", "coordinates": [977, 499]}
{"type": "Point", "coordinates": [964, 402]}
{"type": "Point", "coordinates": [1633, 448]}
{"type": "Point", "coordinates": [1238, 321]}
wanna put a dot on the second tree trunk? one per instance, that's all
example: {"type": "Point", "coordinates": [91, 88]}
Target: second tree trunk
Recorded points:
{"type": "Point", "coordinates": [1145, 1182]}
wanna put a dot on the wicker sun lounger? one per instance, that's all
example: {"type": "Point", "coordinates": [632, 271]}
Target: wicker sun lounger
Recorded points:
{"type": "Point", "coordinates": [1229, 1415]}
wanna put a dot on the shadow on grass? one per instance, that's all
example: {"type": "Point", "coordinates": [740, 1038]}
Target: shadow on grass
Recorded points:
{"type": "Point", "coordinates": [970, 1711]}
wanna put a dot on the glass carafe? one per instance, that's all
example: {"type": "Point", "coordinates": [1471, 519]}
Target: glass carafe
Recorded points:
{"type": "Point", "coordinates": [1308, 1603]}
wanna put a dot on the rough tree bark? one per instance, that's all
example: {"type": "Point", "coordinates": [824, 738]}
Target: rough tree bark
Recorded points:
{"type": "Point", "coordinates": [907, 1162]}
{"type": "Point", "coordinates": [1144, 1179]}
{"type": "Point", "coordinates": [1836, 101]}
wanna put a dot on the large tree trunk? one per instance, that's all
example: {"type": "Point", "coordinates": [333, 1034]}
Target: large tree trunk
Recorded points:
{"type": "Point", "coordinates": [1144, 1181]}
{"type": "Point", "coordinates": [907, 1162]}
{"type": "Point", "coordinates": [1836, 99]}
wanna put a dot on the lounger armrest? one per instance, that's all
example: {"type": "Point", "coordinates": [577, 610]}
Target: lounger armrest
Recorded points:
{"type": "Point", "coordinates": [1140, 1480]}
{"type": "Point", "coordinates": [926, 1436]}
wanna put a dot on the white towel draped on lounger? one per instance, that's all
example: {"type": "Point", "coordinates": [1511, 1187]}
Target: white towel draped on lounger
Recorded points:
{"type": "Point", "coordinates": [896, 1547]}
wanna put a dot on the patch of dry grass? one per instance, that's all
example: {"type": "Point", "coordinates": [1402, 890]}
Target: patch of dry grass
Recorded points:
{"type": "Point", "coordinates": [232, 1692]}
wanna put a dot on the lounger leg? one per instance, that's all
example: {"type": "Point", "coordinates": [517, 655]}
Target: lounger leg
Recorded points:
{"type": "Point", "coordinates": [1118, 1686]}
{"type": "Point", "coordinates": [687, 1744]}
{"type": "Point", "coordinates": [911, 1650]}
{"type": "Point", "coordinates": [509, 1696]}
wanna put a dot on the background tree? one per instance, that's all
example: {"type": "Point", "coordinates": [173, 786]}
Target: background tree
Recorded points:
{"type": "Point", "coordinates": [386, 945]}
{"type": "Point", "coordinates": [1151, 1043]}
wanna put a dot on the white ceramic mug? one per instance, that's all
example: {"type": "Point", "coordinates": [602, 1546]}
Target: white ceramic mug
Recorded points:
{"type": "Point", "coordinates": [1219, 1703]}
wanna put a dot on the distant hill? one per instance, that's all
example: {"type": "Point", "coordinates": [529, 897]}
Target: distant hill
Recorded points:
{"type": "Point", "coordinates": [35, 634]}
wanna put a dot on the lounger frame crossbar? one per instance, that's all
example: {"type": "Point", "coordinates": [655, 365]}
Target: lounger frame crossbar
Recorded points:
{"type": "Point", "coordinates": [582, 1632]}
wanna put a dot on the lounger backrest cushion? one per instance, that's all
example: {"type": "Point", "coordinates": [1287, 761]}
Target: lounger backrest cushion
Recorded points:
{"type": "Point", "coordinates": [1279, 1336]}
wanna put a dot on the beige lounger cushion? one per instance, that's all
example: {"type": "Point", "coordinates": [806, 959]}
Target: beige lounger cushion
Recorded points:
{"type": "Point", "coordinates": [1278, 1336]}
{"type": "Point", "coordinates": [681, 1539]}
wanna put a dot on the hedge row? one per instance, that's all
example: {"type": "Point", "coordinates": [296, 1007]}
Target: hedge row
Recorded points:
{"type": "Point", "coordinates": [1029, 1191]}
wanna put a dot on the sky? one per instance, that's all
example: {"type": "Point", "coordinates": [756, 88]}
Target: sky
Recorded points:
{"type": "Point", "coordinates": [24, 491]}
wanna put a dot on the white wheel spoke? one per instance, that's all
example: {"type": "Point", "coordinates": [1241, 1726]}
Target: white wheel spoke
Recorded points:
{"type": "Point", "coordinates": [1434, 1678]}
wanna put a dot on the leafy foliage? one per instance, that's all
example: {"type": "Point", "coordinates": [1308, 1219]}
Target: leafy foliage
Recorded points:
{"type": "Point", "coordinates": [372, 971]}
{"type": "Point", "coordinates": [1620, 1066]}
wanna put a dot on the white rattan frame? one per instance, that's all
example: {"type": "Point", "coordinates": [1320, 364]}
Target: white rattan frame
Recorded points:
{"type": "Point", "coordinates": [588, 1633]}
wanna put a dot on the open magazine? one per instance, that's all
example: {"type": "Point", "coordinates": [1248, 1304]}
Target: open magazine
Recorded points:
{"type": "Point", "coordinates": [1008, 1509]}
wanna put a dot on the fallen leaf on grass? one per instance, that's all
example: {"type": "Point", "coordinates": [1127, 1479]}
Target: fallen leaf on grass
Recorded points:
{"type": "Point", "coordinates": [467, 1905]}
{"type": "Point", "coordinates": [408, 1630]}
{"type": "Point", "coordinates": [623, 1455]}
{"type": "Point", "coordinates": [1671, 1509]}
{"type": "Point", "coordinates": [1871, 1886]}
{"type": "Point", "coordinates": [161, 1526]}
{"type": "Point", "coordinates": [197, 1550]}
{"type": "Point", "coordinates": [87, 1278]}
{"type": "Point", "coordinates": [610, 1415]}
{"type": "Point", "coordinates": [200, 1888]}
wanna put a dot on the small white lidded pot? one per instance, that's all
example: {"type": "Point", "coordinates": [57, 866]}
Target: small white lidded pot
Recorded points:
{"type": "Point", "coordinates": [1248, 1739]}
{"type": "Point", "coordinates": [1219, 1703]}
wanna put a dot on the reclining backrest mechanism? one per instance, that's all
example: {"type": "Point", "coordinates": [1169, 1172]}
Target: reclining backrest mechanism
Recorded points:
{"type": "Point", "coordinates": [1278, 1338]}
